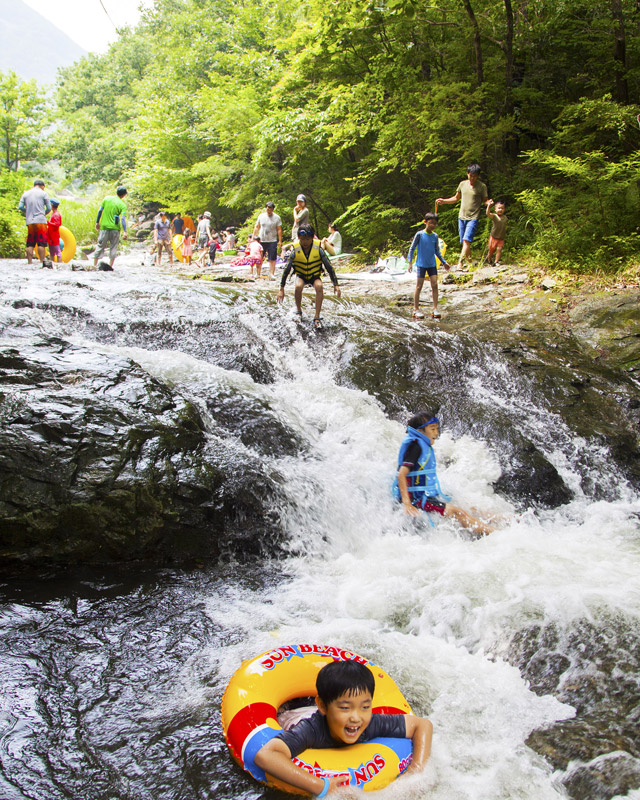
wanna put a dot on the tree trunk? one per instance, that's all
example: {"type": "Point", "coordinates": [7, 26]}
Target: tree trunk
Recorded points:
{"type": "Point", "coordinates": [508, 52]}
{"type": "Point", "coordinates": [476, 41]}
{"type": "Point", "coordinates": [620, 53]}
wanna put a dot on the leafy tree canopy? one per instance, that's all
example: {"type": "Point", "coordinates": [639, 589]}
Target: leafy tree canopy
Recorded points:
{"type": "Point", "coordinates": [371, 108]}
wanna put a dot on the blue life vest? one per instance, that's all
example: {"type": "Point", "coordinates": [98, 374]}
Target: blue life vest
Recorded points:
{"type": "Point", "coordinates": [422, 481]}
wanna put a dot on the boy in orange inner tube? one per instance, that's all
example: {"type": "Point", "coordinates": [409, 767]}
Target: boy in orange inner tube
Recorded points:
{"type": "Point", "coordinates": [344, 717]}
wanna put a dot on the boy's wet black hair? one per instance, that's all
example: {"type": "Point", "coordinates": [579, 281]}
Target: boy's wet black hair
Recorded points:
{"type": "Point", "coordinates": [430, 215]}
{"type": "Point", "coordinates": [474, 169]}
{"type": "Point", "coordinates": [344, 677]}
{"type": "Point", "coordinates": [420, 419]}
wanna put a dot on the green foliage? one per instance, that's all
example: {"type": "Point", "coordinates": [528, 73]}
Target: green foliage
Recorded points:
{"type": "Point", "coordinates": [372, 111]}
{"type": "Point", "coordinates": [12, 226]}
{"type": "Point", "coordinates": [96, 108]}
{"type": "Point", "coordinates": [589, 204]}
{"type": "Point", "coordinates": [23, 115]}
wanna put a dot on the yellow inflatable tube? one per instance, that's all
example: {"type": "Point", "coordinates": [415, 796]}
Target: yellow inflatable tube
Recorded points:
{"type": "Point", "coordinates": [177, 246]}
{"type": "Point", "coordinates": [68, 244]}
{"type": "Point", "coordinates": [262, 684]}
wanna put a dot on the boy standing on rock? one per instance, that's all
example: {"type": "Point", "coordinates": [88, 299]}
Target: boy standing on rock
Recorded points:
{"type": "Point", "coordinates": [427, 246]}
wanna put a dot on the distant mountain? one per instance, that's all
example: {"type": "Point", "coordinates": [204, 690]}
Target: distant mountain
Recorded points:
{"type": "Point", "coordinates": [31, 46]}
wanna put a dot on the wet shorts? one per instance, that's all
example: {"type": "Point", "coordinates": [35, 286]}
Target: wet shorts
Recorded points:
{"type": "Point", "coordinates": [270, 250]}
{"type": "Point", "coordinates": [467, 229]}
{"type": "Point", "coordinates": [310, 279]}
{"type": "Point", "coordinates": [37, 234]}
{"type": "Point", "coordinates": [431, 504]}
{"type": "Point", "coordinates": [422, 271]}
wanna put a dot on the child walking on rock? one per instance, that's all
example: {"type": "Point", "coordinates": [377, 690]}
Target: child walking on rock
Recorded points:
{"type": "Point", "coordinates": [426, 244]}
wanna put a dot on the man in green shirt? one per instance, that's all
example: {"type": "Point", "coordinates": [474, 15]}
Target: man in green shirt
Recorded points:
{"type": "Point", "coordinates": [111, 218]}
{"type": "Point", "coordinates": [474, 196]}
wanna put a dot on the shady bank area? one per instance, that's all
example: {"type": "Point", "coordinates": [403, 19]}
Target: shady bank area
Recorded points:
{"type": "Point", "coordinates": [102, 464]}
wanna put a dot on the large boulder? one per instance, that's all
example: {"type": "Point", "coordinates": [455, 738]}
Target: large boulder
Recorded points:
{"type": "Point", "coordinates": [100, 462]}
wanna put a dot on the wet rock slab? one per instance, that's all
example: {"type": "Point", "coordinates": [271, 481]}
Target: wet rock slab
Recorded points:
{"type": "Point", "coordinates": [594, 667]}
{"type": "Point", "coordinates": [100, 462]}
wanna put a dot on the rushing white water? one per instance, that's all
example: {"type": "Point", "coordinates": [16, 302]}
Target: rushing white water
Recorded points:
{"type": "Point", "coordinates": [434, 607]}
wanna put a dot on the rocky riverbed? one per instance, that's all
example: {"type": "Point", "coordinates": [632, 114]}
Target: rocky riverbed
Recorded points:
{"type": "Point", "coordinates": [186, 420]}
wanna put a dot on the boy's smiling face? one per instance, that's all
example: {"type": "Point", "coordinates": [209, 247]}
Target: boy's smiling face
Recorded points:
{"type": "Point", "coordinates": [348, 716]}
{"type": "Point", "coordinates": [430, 225]}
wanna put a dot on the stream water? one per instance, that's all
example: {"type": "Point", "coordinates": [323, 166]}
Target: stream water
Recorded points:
{"type": "Point", "coordinates": [522, 647]}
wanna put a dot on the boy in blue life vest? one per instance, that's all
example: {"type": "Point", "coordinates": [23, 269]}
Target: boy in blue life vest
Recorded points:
{"type": "Point", "coordinates": [417, 485]}
{"type": "Point", "coordinates": [427, 245]}
{"type": "Point", "coordinates": [344, 717]}
{"type": "Point", "coordinates": [307, 260]}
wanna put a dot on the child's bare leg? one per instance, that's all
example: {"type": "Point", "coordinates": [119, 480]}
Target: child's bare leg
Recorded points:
{"type": "Point", "coordinates": [317, 285]}
{"type": "Point", "coordinates": [499, 254]}
{"type": "Point", "coordinates": [434, 290]}
{"type": "Point", "coordinates": [297, 294]}
{"type": "Point", "coordinates": [416, 294]}
{"type": "Point", "coordinates": [467, 521]}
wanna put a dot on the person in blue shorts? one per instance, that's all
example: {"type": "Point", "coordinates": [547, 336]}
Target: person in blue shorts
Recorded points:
{"type": "Point", "coordinates": [425, 243]}
{"type": "Point", "coordinates": [344, 717]}
{"type": "Point", "coordinates": [473, 196]}
{"type": "Point", "coordinates": [417, 486]}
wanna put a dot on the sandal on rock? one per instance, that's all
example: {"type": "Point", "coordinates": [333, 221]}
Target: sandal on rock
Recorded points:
{"type": "Point", "coordinates": [317, 323]}
{"type": "Point", "coordinates": [417, 314]}
{"type": "Point", "coordinates": [436, 315]}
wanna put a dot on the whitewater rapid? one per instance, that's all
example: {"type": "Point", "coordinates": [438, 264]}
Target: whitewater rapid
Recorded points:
{"type": "Point", "coordinates": [436, 608]}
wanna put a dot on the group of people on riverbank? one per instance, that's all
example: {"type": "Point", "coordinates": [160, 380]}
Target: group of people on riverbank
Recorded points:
{"type": "Point", "coordinates": [473, 197]}
{"type": "Point", "coordinates": [198, 243]}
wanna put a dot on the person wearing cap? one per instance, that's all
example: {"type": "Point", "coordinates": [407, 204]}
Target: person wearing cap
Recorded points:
{"type": "Point", "coordinates": [35, 205]}
{"type": "Point", "coordinates": [300, 215]}
{"type": "Point", "coordinates": [112, 217]}
{"type": "Point", "coordinates": [307, 260]}
{"type": "Point", "coordinates": [53, 231]}
{"type": "Point", "coordinates": [203, 231]}
{"type": "Point", "coordinates": [416, 485]}
{"type": "Point", "coordinates": [269, 228]}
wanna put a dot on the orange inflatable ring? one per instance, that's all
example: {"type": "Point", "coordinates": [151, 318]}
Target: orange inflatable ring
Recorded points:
{"type": "Point", "coordinates": [261, 685]}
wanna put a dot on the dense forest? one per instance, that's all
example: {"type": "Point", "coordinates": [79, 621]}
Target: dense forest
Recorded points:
{"type": "Point", "coordinates": [372, 108]}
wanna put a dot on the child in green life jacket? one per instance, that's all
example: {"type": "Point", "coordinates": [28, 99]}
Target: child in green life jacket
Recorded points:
{"type": "Point", "coordinates": [416, 485]}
